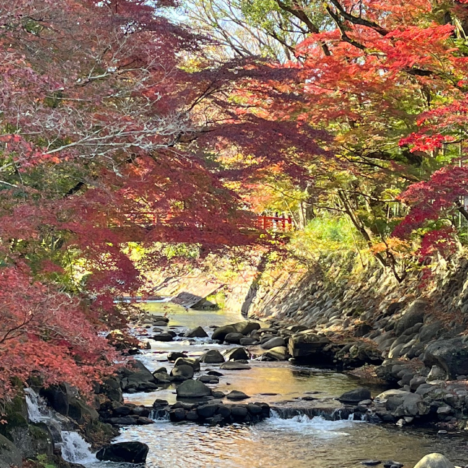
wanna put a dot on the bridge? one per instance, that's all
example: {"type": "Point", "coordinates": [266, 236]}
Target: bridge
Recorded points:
{"type": "Point", "coordinates": [276, 223]}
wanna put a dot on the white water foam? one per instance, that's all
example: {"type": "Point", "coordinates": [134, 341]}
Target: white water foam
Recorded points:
{"type": "Point", "coordinates": [37, 410]}
{"type": "Point", "coordinates": [75, 449]}
{"type": "Point", "coordinates": [317, 425]}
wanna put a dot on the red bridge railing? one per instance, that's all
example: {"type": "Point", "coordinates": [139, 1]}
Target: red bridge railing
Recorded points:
{"type": "Point", "coordinates": [280, 223]}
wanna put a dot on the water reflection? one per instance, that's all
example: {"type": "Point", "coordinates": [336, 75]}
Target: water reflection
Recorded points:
{"type": "Point", "coordinates": [275, 443]}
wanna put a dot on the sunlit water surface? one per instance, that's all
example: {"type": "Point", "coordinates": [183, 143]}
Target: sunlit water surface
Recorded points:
{"type": "Point", "coordinates": [275, 443]}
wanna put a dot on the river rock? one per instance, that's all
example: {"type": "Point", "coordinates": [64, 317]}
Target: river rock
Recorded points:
{"type": "Point", "coordinates": [233, 338]}
{"type": "Point", "coordinates": [174, 355]}
{"type": "Point", "coordinates": [307, 346]}
{"type": "Point", "coordinates": [280, 353]}
{"type": "Point", "coordinates": [138, 378]}
{"type": "Point", "coordinates": [236, 395]}
{"type": "Point", "coordinates": [355, 396]}
{"type": "Point", "coordinates": [450, 355]}
{"type": "Point", "coordinates": [195, 363]}
{"type": "Point", "coordinates": [193, 389]}
{"type": "Point", "coordinates": [241, 327]}
{"type": "Point", "coordinates": [239, 411]}
{"type": "Point", "coordinates": [236, 354]}
{"type": "Point", "coordinates": [207, 411]}
{"type": "Point", "coordinates": [234, 366]}
{"type": "Point", "coordinates": [248, 341]}
{"type": "Point", "coordinates": [434, 460]}
{"type": "Point", "coordinates": [274, 343]}
{"type": "Point", "coordinates": [182, 372]}
{"type": "Point", "coordinates": [198, 332]}
{"type": "Point", "coordinates": [213, 356]}
{"type": "Point", "coordinates": [208, 379]}
{"type": "Point", "coordinates": [163, 337]}
{"type": "Point", "coordinates": [124, 452]}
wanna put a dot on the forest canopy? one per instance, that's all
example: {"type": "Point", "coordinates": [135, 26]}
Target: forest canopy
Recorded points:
{"type": "Point", "coordinates": [165, 123]}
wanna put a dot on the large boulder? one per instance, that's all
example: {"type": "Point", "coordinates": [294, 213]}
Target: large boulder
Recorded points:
{"type": "Point", "coordinates": [9, 454]}
{"type": "Point", "coordinates": [193, 389]}
{"type": "Point", "coordinates": [450, 355]}
{"type": "Point", "coordinates": [124, 452]}
{"type": "Point", "coordinates": [212, 356]}
{"type": "Point", "coordinates": [434, 460]}
{"type": "Point", "coordinates": [308, 346]}
{"type": "Point", "coordinates": [236, 354]}
{"type": "Point", "coordinates": [198, 332]}
{"type": "Point", "coordinates": [415, 314]}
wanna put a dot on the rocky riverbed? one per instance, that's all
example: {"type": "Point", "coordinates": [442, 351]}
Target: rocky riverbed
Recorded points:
{"type": "Point", "coordinates": [224, 392]}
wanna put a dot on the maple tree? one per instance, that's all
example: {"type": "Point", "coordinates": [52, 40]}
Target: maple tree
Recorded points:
{"type": "Point", "coordinates": [387, 81]}
{"type": "Point", "coordinates": [111, 115]}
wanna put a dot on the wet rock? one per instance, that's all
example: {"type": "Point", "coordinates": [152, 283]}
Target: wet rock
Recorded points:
{"type": "Point", "coordinates": [208, 379]}
{"type": "Point", "coordinates": [224, 411]}
{"type": "Point", "coordinates": [355, 396]}
{"type": "Point", "coordinates": [158, 403]}
{"type": "Point", "coordinates": [241, 327]}
{"type": "Point", "coordinates": [297, 328]}
{"type": "Point", "coordinates": [233, 338]}
{"type": "Point", "coordinates": [215, 373]}
{"type": "Point", "coordinates": [163, 337]}
{"type": "Point", "coordinates": [434, 460]}
{"type": "Point", "coordinates": [221, 332]}
{"type": "Point", "coordinates": [450, 355]}
{"type": "Point", "coordinates": [234, 366]}
{"type": "Point", "coordinates": [124, 452]}
{"type": "Point", "coordinates": [192, 389]}
{"type": "Point", "coordinates": [236, 395]}
{"type": "Point", "coordinates": [212, 356]}
{"type": "Point", "coordinates": [162, 378]}
{"type": "Point", "coordinates": [174, 355]}
{"type": "Point", "coordinates": [177, 414]}
{"type": "Point", "coordinates": [191, 416]}
{"type": "Point", "coordinates": [137, 378]}
{"type": "Point", "coordinates": [182, 372]}
{"type": "Point", "coordinates": [236, 354]}
{"type": "Point", "coordinates": [198, 332]}
{"type": "Point", "coordinates": [280, 353]}
{"type": "Point", "coordinates": [207, 411]}
{"type": "Point", "coordinates": [194, 363]}
{"type": "Point", "coordinates": [274, 343]}
{"type": "Point", "coordinates": [254, 409]}
{"type": "Point", "coordinates": [239, 412]}
{"type": "Point", "coordinates": [160, 323]}
{"type": "Point", "coordinates": [371, 462]}
{"type": "Point", "coordinates": [218, 394]}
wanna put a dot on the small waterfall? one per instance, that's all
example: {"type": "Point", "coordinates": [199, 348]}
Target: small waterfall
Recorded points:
{"type": "Point", "coordinates": [159, 415]}
{"type": "Point", "coordinates": [74, 448]}
{"type": "Point", "coordinates": [37, 409]}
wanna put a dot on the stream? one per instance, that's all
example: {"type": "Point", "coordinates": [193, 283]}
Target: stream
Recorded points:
{"type": "Point", "coordinates": [298, 442]}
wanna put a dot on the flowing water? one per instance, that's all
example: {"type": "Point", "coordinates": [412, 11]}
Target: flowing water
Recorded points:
{"type": "Point", "coordinates": [299, 442]}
